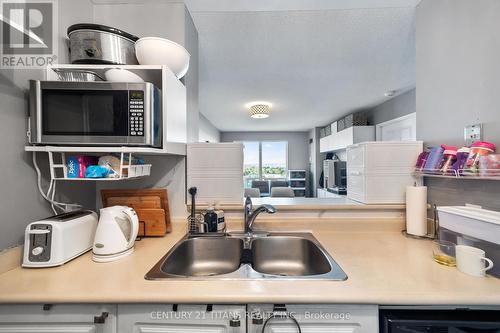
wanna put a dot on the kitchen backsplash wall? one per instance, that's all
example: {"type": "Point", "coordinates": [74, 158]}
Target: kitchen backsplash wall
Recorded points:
{"type": "Point", "coordinates": [457, 85]}
{"type": "Point", "coordinates": [21, 202]}
{"type": "Point", "coordinates": [167, 172]}
{"type": "Point", "coordinates": [451, 192]}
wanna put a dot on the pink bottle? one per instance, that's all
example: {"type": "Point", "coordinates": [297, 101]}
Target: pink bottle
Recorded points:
{"type": "Point", "coordinates": [478, 149]}
{"type": "Point", "coordinates": [449, 158]}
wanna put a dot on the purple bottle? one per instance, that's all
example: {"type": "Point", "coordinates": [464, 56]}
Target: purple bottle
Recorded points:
{"type": "Point", "coordinates": [434, 159]}
{"type": "Point", "coordinates": [422, 158]}
{"type": "Point", "coordinates": [459, 165]}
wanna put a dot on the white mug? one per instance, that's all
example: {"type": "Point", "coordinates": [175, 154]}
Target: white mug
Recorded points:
{"type": "Point", "coordinates": [471, 260]}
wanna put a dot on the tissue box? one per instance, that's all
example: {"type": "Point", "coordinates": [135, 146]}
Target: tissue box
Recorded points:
{"type": "Point", "coordinates": [78, 164]}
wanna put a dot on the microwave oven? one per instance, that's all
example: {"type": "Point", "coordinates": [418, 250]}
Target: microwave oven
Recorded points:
{"type": "Point", "coordinates": [95, 113]}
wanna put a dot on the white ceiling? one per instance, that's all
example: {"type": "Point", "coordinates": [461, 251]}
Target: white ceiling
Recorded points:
{"type": "Point", "coordinates": [315, 61]}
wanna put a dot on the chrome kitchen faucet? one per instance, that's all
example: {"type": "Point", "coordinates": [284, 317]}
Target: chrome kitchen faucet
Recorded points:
{"type": "Point", "coordinates": [250, 215]}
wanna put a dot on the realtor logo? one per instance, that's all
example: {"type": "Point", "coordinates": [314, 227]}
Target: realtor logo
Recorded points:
{"type": "Point", "coordinates": [28, 33]}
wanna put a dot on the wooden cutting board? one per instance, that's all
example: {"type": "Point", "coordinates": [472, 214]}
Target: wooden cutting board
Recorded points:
{"type": "Point", "coordinates": [151, 222]}
{"type": "Point", "coordinates": [151, 206]}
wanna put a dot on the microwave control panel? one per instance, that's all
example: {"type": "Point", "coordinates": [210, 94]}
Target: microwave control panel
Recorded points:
{"type": "Point", "coordinates": [136, 113]}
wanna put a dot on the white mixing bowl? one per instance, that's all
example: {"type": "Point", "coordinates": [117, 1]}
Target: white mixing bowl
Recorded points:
{"type": "Point", "coordinates": [121, 75]}
{"type": "Point", "coordinates": [161, 51]}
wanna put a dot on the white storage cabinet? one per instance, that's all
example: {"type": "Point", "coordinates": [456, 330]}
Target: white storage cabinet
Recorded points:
{"type": "Point", "coordinates": [341, 140]}
{"type": "Point", "coordinates": [216, 169]}
{"type": "Point", "coordinates": [297, 182]}
{"type": "Point", "coordinates": [315, 318]}
{"type": "Point", "coordinates": [378, 172]}
{"type": "Point", "coordinates": [66, 318]}
{"type": "Point", "coordinates": [167, 318]}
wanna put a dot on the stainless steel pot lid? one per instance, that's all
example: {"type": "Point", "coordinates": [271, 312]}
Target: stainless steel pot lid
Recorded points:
{"type": "Point", "coordinates": [102, 28]}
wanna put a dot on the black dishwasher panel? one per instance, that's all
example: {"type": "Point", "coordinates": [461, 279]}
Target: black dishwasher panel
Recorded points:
{"type": "Point", "coordinates": [439, 321]}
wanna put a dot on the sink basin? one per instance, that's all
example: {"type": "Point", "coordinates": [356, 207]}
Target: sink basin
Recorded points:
{"type": "Point", "coordinates": [238, 257]}
{"type": "Point", "coordinates": [204, 257]}
{"type": "Point", "coordinates": [288, 256]}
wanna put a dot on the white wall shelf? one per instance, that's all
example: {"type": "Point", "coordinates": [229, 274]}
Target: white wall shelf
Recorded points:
{"type": "Point", "coordinates": [457, 175]}
{"type": "Point", "coordinates": [172, 148]}
{"type": "Point", "coordinates": [58, 167]}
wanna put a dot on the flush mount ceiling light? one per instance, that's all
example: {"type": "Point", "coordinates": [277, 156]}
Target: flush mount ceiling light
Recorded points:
{"type": "Point", "coordinates": [390, 93]}
{"type": "Point", "coordinates": [259, 110]}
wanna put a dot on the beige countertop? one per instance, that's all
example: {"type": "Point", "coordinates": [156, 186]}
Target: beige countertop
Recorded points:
{"type": "Point", "coordinates": [383, 268]}
{"type": "Point", "coordinates": [340, 202]}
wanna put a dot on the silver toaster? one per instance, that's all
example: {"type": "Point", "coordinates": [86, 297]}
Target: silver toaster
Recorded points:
{"type": "Point", "coordinates": [58, 239]}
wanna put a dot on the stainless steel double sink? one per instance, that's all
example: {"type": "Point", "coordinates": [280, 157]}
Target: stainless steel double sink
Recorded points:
{"type": "Point", "coordinates": [239, 257]}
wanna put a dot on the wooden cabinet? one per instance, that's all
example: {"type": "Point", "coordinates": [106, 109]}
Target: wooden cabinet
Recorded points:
{"type": "Point", "coordinates": [313, 318]}
{"type": "Point", "coordinates": [168, 318]}
{"type": "Point", "coordinates": [58, 318]}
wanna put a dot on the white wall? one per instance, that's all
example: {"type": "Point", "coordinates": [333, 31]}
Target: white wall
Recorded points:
{"type": "Point", "coordinates": [458, 81]}
{"type": "Point", "coordinates": [396, 107]}
{"type": "Point", "coordinates": [208, 132]}
{"type": "Point", "coordinates": [20, 202]}
{"type": "Point", "coordinates": [458, 84]}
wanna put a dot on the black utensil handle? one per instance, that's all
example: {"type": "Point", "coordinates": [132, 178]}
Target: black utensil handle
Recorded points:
{"type": "Point", "coordinates": [192, 218]}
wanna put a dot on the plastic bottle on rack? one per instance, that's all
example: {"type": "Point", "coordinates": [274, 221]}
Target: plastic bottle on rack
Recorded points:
{"type": "Point", "coordinates": [462, 156]}
{"type": "Point", "coordinates": [434, 160]}
{"type": "Point", "coordinates": [449, 158]}
{"type": "Point", "coordinates": [478, 149]}
{"type": "Point", "coordinates": [421, 160]}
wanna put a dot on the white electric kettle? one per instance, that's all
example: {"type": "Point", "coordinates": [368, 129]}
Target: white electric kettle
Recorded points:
{"type": "Point", "coordinates": [116, 233]}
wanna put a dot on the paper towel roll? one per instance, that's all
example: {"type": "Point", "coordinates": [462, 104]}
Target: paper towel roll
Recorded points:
{"type": "Point", "coordinates": [416, 210]}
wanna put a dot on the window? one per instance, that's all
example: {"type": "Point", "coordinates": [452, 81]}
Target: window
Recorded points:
{"type": "Point", "coordinates": [274, 159]}
{"type": "Point", "coordinates": [265, 160]}
{"type": "Point", "coordinates": [251, 162]}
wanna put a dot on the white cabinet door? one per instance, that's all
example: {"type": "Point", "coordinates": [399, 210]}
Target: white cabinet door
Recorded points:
{"type": "Point", "coordinates": [340, 140]}
{"type": "Point", "coordinates": [167, 318]}
{"type": "Point", "coordinates": [63, 318]}
{"type": "Point", "coordinates": [323, 144]}
{"type": "Point", "coordinates": [316, 319]}
{"type": "Point", "coordinates": [403, 128]}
